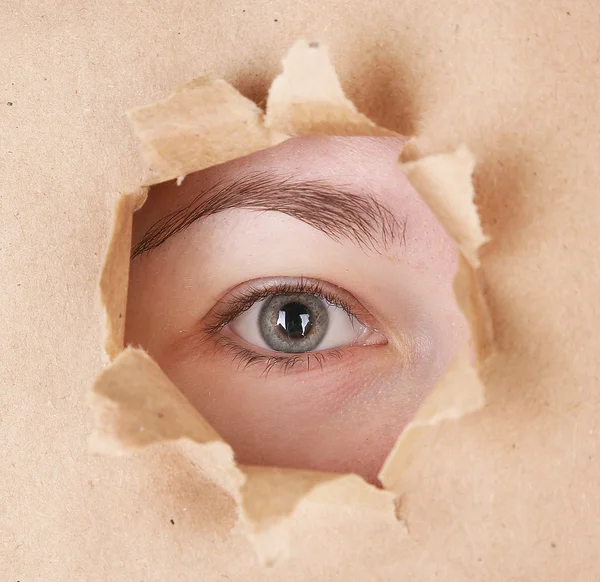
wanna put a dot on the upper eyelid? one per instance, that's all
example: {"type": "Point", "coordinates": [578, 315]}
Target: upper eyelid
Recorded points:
{"type": "Point", "coordinates": [335, 210]}
{"type": "Point", "coordinates": [224, 310]}
{"type": "Point", "coordinates": [261, 289]}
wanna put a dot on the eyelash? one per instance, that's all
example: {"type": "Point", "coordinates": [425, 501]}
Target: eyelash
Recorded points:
{"type": "Point", "coordinates": [247, 358]}
{"type": "Point", "coordinates": [244, 300]}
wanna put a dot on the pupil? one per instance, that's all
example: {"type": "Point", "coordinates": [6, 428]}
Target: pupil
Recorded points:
{"type": "Point", "coordinates": [294, 319]}
{"type": "Point", "coordinates": [293, 322]}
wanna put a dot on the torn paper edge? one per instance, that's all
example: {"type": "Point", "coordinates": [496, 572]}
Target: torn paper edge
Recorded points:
{"type": "Point", "coordinates": [307, 98]}
{"type": "Point", "coordinates": [135, 405]}
{"type": "Point", "coordinates": [204, 141]}
{"type": "Point", "coordinates": [444, 182]}
{"type": "Point", "coordinates": [114, 278]}
{"type": "Point", "coordinates": [187, 131]}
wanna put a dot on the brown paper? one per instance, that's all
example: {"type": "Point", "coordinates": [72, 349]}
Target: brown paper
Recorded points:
{"type": "Point", "coordinates": [516, 82]}
{"type": "Point", "coordinates": [271, 495]}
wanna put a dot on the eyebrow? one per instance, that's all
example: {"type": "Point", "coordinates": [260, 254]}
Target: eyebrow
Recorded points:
{"type": "Point", "coordinates": [336, 210]}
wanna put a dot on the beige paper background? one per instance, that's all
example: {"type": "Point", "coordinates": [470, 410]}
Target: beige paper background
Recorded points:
{"type": "Point", "coordinates": [507, 493]}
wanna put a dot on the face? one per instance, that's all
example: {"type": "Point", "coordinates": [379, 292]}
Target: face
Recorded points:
{"type": "Point", "coordinates": [300, 297]}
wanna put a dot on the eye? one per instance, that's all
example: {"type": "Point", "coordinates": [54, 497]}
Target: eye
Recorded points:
{"type": "Point", "coordinates": [299, 322]}
{"type": "Point", "coordinates": [276, 321]}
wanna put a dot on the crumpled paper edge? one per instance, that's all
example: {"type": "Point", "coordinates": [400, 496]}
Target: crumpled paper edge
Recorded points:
{"type": "Point", "coordinates": [187, 131]}
{"type": "Point", "coordinates": [203, 123]}
{"type": "Point", "coordinates": [444, 182]}
{"type": "Point", "coordinates": [307, 98]}
{"type": "Point", "coordinates": [135, 405]}
{"type": "Point", "coordinates": [114, 279]}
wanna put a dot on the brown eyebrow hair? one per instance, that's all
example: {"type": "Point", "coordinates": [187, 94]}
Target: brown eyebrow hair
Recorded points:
{"type": "Point", "coordinates": [337, 211]}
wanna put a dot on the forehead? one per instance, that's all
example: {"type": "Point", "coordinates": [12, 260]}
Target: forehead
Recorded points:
{"type": "Point", "coordinates": [343, 160]}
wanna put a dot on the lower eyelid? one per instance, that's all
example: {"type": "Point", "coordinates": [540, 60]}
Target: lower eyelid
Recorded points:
{"type": "Point", "coordinates": [246, 299]}
{"type": "Point", "coordinates": [275, 361]}
{"type": "Point", "coordinates": [248, 358]}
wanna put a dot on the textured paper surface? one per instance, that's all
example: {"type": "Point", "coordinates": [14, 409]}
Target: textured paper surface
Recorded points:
{"type": "Point", "coordinates": [517, 83]}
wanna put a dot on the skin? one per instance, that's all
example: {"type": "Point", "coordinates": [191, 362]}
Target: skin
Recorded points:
{"type": "Point", "coordinates": [346, 415]}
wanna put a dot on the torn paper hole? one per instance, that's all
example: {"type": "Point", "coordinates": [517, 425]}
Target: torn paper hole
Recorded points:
{"type": "Point", "coordinates": [207, 122]}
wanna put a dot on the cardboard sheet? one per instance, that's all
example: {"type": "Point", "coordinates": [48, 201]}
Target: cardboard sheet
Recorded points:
{"type": "Point", "coordinates": [517, 478]}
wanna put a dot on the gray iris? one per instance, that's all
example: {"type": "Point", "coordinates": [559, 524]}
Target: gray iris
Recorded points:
{"type": "Point", "coordinates": [293, 322]}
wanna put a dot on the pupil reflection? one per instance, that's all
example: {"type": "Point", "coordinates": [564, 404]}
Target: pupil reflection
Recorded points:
{"type": "Point", "coordinates": [294, 320]}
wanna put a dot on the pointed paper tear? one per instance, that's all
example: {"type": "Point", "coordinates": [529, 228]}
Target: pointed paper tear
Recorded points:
{"type": "Point", "coordinates": [458, 392]}
{"type": "Point", "coordinates": [136, 405]}
{"type": "Point", "coordinates": [203, 123]}
{"type": "Point", "coordinates": [307, 98]}
{"type": "Point", "coordinates": [271, 496]}
{"type": "Point", "coordinates": [444, 182]}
